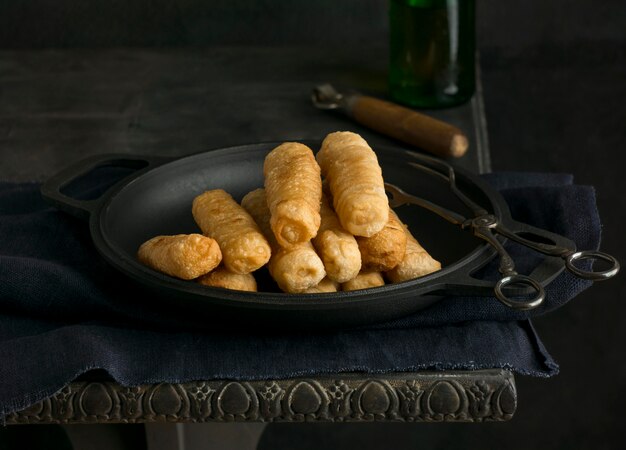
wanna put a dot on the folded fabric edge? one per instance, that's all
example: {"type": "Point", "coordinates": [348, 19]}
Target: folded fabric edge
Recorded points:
{"type": "Point", "coordinates": [24, 401]}
{"type": "Point", "coordinates": [27, 400]}
{"type": "Point", "coordinates": [543, 351]}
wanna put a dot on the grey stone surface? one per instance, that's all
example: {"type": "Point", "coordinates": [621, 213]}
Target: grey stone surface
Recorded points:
{"type": "Point", "coordinates": [58, 106]}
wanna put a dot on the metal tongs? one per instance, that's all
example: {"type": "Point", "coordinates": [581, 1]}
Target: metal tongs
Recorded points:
{"type": "Point", "coordinates": [486, 226]}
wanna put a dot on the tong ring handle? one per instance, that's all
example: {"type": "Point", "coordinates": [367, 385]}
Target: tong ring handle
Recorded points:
{"type": "Point", "coordinates": [591, 274]}
{"type": "Point", "coordinates": [521, 281]}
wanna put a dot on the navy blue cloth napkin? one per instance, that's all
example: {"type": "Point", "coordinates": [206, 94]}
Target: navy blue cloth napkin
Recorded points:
{"type": "Point", "coordinates": [63, 311]}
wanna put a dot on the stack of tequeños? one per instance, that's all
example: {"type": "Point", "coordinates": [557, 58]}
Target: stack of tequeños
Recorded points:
{"type": "Point", "coordinates": [314, 236]}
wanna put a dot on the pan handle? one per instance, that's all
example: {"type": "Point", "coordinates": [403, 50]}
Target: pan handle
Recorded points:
{"type": "Point", "coordinates": [464, 283]}
{"type": "Point", "coordinates": [82, 209]}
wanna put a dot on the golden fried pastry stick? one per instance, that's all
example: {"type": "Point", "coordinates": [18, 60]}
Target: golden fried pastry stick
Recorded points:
{"type": "Point", "coordinates": [356, 183]}
{"type": "Point", "coordinates": [293, 186]}
{"type": "Point", "coordinates": [185, 256]}
{"type": "Point", "coordinates": [294, 269]}
{"type": "Point", "coordinates": [244, 247]}
{"type": "Point", "coordinates": [416, 262]}
{"type": "Point", "coordinates": [326, 285]}
{"type": "Point", "coordinates": [384, 250]}
{"type": "Point", "coordinates": [364, 280]}
{"type": "Point", "coordinates": [337, 248]}
{"type": "Point", "coordinates": [224, 278]}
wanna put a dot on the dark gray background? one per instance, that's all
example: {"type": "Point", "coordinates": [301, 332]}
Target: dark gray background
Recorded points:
{"type": "Point", "coordinates": [554, 76]}
{"type": "Point", "coordinates": [73, 23]}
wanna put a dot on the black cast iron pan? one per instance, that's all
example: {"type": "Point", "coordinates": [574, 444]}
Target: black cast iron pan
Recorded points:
{"type": "Point", "coordinates": [157, 199]}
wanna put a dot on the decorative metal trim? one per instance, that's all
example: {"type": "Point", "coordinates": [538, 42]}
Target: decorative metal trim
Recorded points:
{"type": "Point", "coordinates": [463, 396]}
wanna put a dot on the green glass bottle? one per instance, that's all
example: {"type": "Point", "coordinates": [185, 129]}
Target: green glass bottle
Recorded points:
{"type": "Point", "coordinates": [432, 45]}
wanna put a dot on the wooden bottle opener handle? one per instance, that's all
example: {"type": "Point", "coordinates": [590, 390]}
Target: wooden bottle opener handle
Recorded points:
{"type": "Point", "coordinates": [408, 126]}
